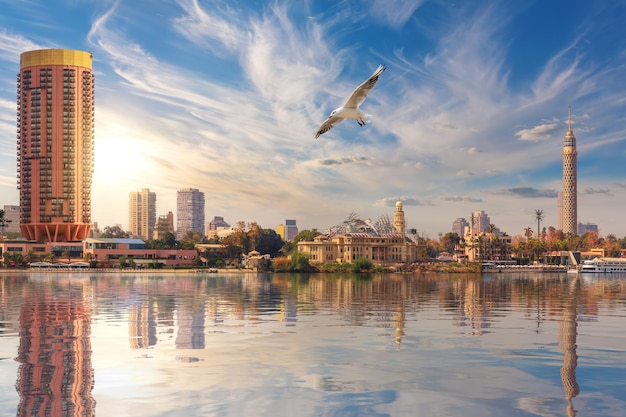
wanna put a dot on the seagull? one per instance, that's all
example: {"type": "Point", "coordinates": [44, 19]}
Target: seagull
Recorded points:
{"type": "Point", "coordinates": [350, 110]}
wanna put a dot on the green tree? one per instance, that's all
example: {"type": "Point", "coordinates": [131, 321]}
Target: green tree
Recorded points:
{"type": "Point", "coordinates": [449, 242]}
{"type": "Point", "coordinates": [230, 250]}
{"type": "Point", "coordinates": [306, 236]}
{"type": "Point", "coordinates": [167, 241]}
{"type": "Point", "coordinates": [362, 265]}
{"type": "Point", "coordinates": [298, 262]}
{"type": "Point", "coordinates": [611, 246]}
{"type": "Point", "coordinates": [31, 256]}
{"type": "Point", "coordinates": [114, 232]}
{"type": "Point", "coordinates": [288, 247]}
{"type": "Point", "coordinates": [13, 258]}
{"type": "Point", "coordinates": [269, 242]}
{"type": "Point", "coordinates": [191, 239]}
{"type": "Point", "coordinates": [4, 222]}
{"type": "Point", "coordinates": [88, 257]}
{"type": "Point", "coordinates": [239, 238]}
{"type": "Point", "coordinates": [66, 254]}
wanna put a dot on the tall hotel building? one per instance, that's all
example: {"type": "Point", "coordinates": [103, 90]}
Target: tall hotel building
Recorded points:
{"type": "Point", "coordinates": [142, 213]}
{"type": "Point", "coordinates": [567, 201]}
{"type": "Point", "coordinates": [55, 144]}
{"type": "Point", "coordinates": [189, 212]}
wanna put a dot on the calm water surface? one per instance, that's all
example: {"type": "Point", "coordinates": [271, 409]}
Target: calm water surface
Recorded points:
{"type": "Point", "coordinates": [318, 345]}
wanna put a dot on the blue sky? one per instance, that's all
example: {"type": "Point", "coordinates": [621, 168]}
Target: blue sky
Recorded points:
{"type": "Point", "coordinates": [226, 97]}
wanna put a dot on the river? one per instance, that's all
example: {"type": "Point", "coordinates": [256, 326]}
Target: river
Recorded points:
{"type": "Point", "coordinates": [237, 344]}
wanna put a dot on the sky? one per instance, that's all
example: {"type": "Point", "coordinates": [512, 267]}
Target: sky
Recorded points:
{"type": "Point", "coordinates": [226, 97]}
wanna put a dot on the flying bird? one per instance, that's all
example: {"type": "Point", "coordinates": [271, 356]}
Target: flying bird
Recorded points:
{"type": "Point", "coordinates": [350, 110]}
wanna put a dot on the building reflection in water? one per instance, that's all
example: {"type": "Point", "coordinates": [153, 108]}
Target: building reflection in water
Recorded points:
{"type": "Point", "coordinates": [567, 339]}
{"type": "Point", "coordinates": [399, 318]}
{"type": "Point", "coordinates": [142, 325]}
{"type": "Point", "coordinates": [191, 322]}
{"type": "Point", "coordinates": [55, 376]}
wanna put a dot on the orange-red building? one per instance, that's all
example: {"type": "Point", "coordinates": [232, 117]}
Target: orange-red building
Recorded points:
{"type": "Point", "coordinates": [55, 144]}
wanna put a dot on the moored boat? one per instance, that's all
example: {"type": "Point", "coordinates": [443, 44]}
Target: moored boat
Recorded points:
{"type": "Point", "coordinates": [604, 265]}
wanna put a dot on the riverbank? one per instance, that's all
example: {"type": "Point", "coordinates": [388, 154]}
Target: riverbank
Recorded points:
{"type": "Point", "coordinates": [434, 267]}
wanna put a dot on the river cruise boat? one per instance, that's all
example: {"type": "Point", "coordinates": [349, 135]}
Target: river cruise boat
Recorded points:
{"type": "Point", "coordinates": [604, 265]}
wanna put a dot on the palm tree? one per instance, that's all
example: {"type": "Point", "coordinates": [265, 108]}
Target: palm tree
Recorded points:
{"type": "Point", "coordinates": [67, 254]}
{"type": "Point", "coordinates": [528, 232]}
{"type": "Point", "coordinates": [30, 256]}
{"type": "Point", "coordinates": [50, 257]}
{"type": "Point", "coordinates": [539, 218]}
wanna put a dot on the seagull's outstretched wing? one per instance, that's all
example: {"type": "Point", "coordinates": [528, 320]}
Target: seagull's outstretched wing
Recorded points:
{"type": "Point", "coordinates": [327, 125]}
{"type": "Point", "coordinates": [359, 93]}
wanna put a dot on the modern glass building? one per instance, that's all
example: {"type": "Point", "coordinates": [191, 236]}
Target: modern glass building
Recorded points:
{"type": "Point", "coordinates": [55, 144]}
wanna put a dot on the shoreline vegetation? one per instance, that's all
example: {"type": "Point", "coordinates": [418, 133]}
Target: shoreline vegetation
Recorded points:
{"type": "Point", "coordinates": [363, 266]}
{"type": "Point", "coordinates": [334, 268]}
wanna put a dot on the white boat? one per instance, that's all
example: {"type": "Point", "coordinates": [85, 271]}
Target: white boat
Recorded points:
{"type": "Point", "coordinates": [604, 265]}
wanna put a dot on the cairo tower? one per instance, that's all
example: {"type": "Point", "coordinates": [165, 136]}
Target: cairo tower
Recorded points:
{"type": "Point", "coordinates": [568, 199]}
{"type": "Point", "coordinates": [55, 144]}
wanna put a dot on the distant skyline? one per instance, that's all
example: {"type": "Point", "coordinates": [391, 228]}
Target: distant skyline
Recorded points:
{"type": "Point", "coordinates": [226, 97]}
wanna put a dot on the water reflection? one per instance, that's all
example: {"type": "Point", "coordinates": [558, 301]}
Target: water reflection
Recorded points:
{"type": "Point", "coordinates": [325, 344]}
{"type": "Point", "coordinates": [568, 345]}
{"type": "Point", "coordinates": [55, 377]}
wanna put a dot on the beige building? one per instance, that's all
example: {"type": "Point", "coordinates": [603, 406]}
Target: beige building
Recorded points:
{"type": "Point", "coordinates": [142, 213]}
{"type": "Point", "coordinates": [386, 249]}
{"type": "Point", "coordinates": [487, 246]}
{"type": "Point", "coordinates": [381, 243]}
{"type": "Point", "coordinates": [164, 225]}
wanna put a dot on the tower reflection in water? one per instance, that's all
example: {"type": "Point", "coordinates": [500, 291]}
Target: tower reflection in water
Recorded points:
{"type": "Point", "coordinates": [567, 338]}
{"type": "Point", "coordinates": [55, 376]}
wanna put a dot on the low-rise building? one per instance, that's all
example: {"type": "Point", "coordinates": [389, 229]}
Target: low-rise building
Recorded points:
{"type": "Point", "coordinates": [487, 246]}
{"type": "Point", "coordinates": [135, 250]}
{"type": "Point", "coordinates": [102, 250]}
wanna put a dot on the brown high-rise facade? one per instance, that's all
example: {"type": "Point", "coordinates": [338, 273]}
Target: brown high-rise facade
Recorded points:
{"type": "Point", "coordinates": [55, 144]}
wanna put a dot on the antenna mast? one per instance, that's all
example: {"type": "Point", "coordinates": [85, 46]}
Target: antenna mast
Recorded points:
{"type": "Point", "coordinates": [569, 117]}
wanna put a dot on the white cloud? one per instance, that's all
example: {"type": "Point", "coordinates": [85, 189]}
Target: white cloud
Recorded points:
{"type": "Point", "coordinates": [228, 98]}
{"type": "Point", "coordinates": [540, 132]}
{"type": "Point", "coordinates": [394, 12]}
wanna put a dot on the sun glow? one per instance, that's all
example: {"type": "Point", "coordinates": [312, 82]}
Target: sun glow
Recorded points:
{"type": "Point", "coordinates": [121, 165]}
